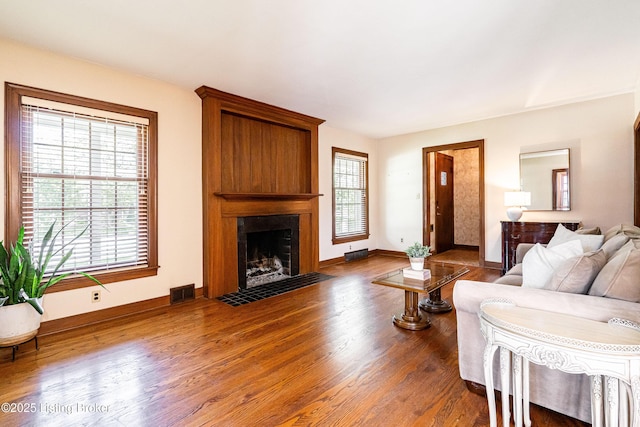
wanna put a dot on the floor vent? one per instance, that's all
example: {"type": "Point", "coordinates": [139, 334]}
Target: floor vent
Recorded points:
{"type": "Point", "coordinates": [182, 293]}
{"type": "Point", "coordinates": [352, 256]}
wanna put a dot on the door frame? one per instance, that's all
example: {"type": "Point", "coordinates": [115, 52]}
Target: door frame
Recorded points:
{"type": "Point", "coordinates": [636, 172]}
{"type": "Point", "coordinates": [426, 202]}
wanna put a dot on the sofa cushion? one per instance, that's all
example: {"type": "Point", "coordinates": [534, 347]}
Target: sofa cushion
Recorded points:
{"type": "Point", "coordinates": [619, 277]}
{"type": "Point", "coordinates": [510, 279]}
{"type": "Point", "coordinates": [576, 274]}
{"type": "Point", "coordinates": [515, 270]}
{"type": "Point", "coordinates": [540, 262]}
{"type": "Point", "coordinates": [590, 242]}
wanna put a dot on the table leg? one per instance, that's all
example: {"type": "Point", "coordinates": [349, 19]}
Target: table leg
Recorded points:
{"type": "Point", "coordinates": [623, 406]}
{"type": "Point", "coordinates": [612, 394]}
{"type": "Point", "coordinates": [525, 392]}
{"type": "Point", "coordinates": [596, 400]}
{"type": "Point", "coordinates": [505, 370]}
{"type": "Point", "coordinates": [635, 398]}
{"type": "Point", "coordinates": [411, 319]}
{"type": "Point", "coordinates": [517, 390]}
{"type": "Point", "coordinates": [489, 351]}
{"type": "Point", "coordinates": [435, 303]}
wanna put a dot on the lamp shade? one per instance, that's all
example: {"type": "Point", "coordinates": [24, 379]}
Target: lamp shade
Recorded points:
{"type": "Point", "coordinates": [517, 198]}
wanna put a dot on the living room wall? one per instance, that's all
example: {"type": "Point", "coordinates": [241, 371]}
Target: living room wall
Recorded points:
{"type": "Point", "coordinates": [637, 98]}
{"type": "Point", "coordinates": [179, 167]}
{"type": "Point", "coordinates": [333, 137]}
{"type": "Point", "coordinates": [598, 132]}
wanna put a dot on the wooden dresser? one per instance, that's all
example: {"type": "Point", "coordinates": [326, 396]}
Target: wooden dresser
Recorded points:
{"type": "Point", "coordinates": [514, 233]}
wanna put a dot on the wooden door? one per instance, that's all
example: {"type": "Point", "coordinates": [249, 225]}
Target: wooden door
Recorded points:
{"type": "Point", "coordinates": [444, 203]}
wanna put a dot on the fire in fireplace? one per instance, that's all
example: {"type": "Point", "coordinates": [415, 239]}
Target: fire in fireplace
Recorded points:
{"type": "Point", "coordinates": [268, 249]}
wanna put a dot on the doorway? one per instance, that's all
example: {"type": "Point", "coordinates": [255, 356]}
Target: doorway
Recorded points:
{"type": "Point", "coordinates": [444, 203]}
{"type": "Point", "coordinates": [463, 223]}
{"type": "Point", "coordinates": [636, 172]}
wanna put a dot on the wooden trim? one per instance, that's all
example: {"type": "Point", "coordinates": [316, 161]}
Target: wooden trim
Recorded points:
{"type": "Point", "coordinates": [12, 159]}
{"type": "Point", "coordinates": [66, 323]}
{"type": "Point", "coordinates": [77, 282]}
{"type": "Point", "coordinates": [332, 261]}
{"type": "Point", "coordinates": [385, 252]}
{"type": "Point", "coordinates": [13, 211]}
{"type": "Point", "coordinates": [219, 214]}
{"type": "Point", "coordinates": [636, 172]}
{"type": "Point", "coordinates": [274, 196]}
{"type": "Point", "coordinates": [493, 265]}
{"type": "Point", "coordinates": [340, 260]}
{"type": "Point", "coordinates": [229, 102]}
{"type": "Point", "coordinates": [467, 247]}
{"type": "Point", "coordinates": [363, 236]}
{"type": "Point", "coordinates": [347, 239]}
{"type": "Point", "coordinates": [426, 207]}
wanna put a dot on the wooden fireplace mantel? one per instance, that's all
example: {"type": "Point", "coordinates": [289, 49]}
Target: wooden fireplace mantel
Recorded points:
{"type": "Point", "coordinates": [271, 196]}
{"type": "Point", "coordinates": [257, 159]}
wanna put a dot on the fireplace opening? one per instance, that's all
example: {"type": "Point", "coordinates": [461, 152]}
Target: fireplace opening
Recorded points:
{"type": "Point", "coordinates": [268, 249]}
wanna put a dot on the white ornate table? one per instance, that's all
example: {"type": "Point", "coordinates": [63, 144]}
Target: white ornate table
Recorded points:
{"type": "Point", "coordinates": [608, 352]}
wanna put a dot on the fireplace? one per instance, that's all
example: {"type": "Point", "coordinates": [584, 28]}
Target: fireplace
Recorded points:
{"type": "Point", "coordinates": [257, 160]}
{"type": "Point", "coordinates": [268, 249]}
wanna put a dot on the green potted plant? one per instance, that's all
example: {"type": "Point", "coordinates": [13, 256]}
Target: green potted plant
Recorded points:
{"type": "Point", "coordinates": [24, 279]}
{"type": "Point", "coordinates": [417, 253]}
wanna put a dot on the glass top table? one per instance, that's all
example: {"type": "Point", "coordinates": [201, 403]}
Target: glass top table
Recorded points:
{"type": "Point", "coordinates": [412, 318]}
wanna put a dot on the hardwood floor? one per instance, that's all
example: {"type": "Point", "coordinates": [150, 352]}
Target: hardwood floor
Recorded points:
{"type": "Point", "coordinates": [323, 355]}
{"type": "Point", "coordinates": [458, 256]}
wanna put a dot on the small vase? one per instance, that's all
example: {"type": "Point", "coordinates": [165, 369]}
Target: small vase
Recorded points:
{"type": "Point", "coordinates": [417, 263]}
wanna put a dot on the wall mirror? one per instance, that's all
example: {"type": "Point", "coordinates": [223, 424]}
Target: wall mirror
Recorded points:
{"type": "Point", "coordinates": [545, 174]}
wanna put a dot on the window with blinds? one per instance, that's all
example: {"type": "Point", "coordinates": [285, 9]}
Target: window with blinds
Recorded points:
{"type": "Point", "coordinates": [88, 171]}
{"type": "Point", "coordinates": [350, 196]}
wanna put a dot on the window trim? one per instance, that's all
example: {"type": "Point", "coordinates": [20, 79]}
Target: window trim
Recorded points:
{"type": "Point", "coordinates": [13, 214]}
{"type": "Point", "coordinates": [354, 237]}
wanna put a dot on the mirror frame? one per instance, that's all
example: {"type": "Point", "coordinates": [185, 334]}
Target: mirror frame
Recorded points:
{"type": "Point", "coordinates": [556, 174]}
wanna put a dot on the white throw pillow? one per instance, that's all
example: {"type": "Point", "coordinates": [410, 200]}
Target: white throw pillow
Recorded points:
{"type": "Point", "coordinates": [540, 262]}
{"type": "Point", "coordinates": [590, 242]}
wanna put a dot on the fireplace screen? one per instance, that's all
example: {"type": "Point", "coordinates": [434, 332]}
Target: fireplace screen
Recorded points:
{"type": "Point", "coordinates": [268, 249]}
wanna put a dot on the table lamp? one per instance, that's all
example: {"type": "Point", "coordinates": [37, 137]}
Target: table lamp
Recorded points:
{"type": "Point", "coordinates": [515, 201]}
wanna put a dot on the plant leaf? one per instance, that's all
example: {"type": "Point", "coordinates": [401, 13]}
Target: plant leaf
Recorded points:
{"type": "Point", "coordinates": [60, 264]}
{"type": "Point", "coordinates": [35, 304]}
{"type": "Point", "coordinates": [45, 240]}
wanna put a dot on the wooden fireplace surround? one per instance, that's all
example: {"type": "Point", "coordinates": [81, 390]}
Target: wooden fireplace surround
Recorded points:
{"type": "Point", "coordinates": [257, 159]}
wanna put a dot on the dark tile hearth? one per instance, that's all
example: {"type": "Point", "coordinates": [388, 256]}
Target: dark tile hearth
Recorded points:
{"type": "Point", "coordinates": [245, 296]}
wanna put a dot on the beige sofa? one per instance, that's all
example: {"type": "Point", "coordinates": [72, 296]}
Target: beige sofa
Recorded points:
{"type": "Point", "coordinates": [612, 289]}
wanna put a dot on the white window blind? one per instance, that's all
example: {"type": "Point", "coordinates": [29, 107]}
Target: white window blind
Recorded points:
{"type": "Point", "coordinates": [86, 170]}
{"type": "Point", "coordinates": [350, 194]}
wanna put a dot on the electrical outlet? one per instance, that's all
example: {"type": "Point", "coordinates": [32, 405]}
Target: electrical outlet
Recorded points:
{"type": "Point", "coordinates": [402, 240]}
{"type": "Point", "coordinates": [95, 296]}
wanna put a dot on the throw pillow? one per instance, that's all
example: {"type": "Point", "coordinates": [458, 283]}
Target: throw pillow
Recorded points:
{"type": "Point", "coordinates": [592, 230]}
{"type": "Point", "coordinates": [619, 277]}
{"type": "Point", "coordinates": [613, 245]}
{"type": "Point", "coordinates": [590, 242]}
{"type": "Point", "coordinates": [540, 262]}
{"type": "Point", "coordinates": [628, 230]}
{"type": "Point", "coordinates": [576, 274]}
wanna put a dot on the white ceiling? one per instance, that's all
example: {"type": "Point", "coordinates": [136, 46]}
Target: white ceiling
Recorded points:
{"type": "Point", "coordinates": [376, 67]}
